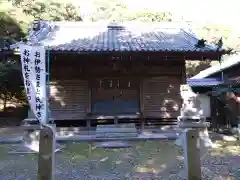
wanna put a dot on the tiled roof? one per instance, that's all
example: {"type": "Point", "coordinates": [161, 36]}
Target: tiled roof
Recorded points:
{"type": "Point", "coordinates": [205, 82]}
{"type": "Point", "coordinates": [229, 62]}
{"type": "Point", "coordinates": [99, 37]}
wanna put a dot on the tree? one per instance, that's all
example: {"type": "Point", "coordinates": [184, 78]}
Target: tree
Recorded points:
{"type": "Point", "coordinates": [147, 15]}
{"type": "Point", "coordinates": [116, 10]}
{"type": "Point", "coordinates": [11, 84]}
{"type": "Point", "coordinates": [194, 67]}
{"type": "Point", "coordinates": [10, 71]}
{"type": "Point", "coordinates": [52, 11]}
{"type": "Point", "coordinates": [9, 28]}
{"type": "Point", "coordinates": [23, 12]}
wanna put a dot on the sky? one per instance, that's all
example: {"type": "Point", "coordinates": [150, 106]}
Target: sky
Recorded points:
{"type": "Point", "coordinates": [217, 11]}
{"type": "Point", "coordinates": [212, 11]}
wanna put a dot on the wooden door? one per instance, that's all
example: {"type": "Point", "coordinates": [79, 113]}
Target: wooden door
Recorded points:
{"type": "Point", "coordinates": [115, 96]}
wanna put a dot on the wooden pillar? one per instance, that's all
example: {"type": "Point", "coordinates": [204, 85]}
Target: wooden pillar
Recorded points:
{"type": "Point", "coordinates": [238, 130]}
{"type": "Point", "coordinates": [115, 120]}
{"type": "Point", "coordinates": [184, 81]}
{"type": "Point", "coordinates": [89, 97]}
{"type": "Point", "coordinates": [141, 102]}
{"type": "Point", "coordinates": [46, 157]}
{"type": "Point", "coordinates": [192, 154]}
{"type": "Point", "coordinates": [184, 75]}
{"type": "Point", "coordinates": [214, 112]}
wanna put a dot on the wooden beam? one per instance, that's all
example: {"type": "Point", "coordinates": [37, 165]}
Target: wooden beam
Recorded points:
{"type": "Point", "coordinates": [83, 59]}
{"type": "Point", "coordinates": [196, 54]}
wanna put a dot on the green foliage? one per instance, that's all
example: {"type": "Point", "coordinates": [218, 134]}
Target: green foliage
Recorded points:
{"type": "Point", "coordinates": [9, 27]}
{"type": "Point", "coordinates": [213, 32]}
{"type": "Point", "coordinates": [11, 84]}
{"type": "Point", "coordinates": [52, 11]}
{"type": "Point", "coordinates": [147, 15]}
{"type": "Point", "coordinates": [16, 15]}
{"type": "Point", "coordinates": [194, 67]}
{"type": "Point", "coordinates": [115, 10]}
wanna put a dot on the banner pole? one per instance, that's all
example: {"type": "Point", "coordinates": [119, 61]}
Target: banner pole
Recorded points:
{"type": "Point", "coordinates": [48, 86]}
{"type": "Point", "coordinates": [47, 141]}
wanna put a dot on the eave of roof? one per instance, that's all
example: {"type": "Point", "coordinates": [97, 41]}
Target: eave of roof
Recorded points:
{"type": "Point", "coordinates": [219, 67]}
{"type": "Point", "coordinates": [129, 37]}
{"type": "Point", "coordinates": [205, 82]}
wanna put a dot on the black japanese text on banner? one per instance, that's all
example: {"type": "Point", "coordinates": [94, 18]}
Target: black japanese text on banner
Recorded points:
{"type": "Point", "coordinates": [34, 75]}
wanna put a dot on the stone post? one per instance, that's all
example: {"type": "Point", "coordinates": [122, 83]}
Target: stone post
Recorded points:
{"type": "Point", "coordinates": [192, 155]}
{"type": "Point", "coordinates": [46, 157]}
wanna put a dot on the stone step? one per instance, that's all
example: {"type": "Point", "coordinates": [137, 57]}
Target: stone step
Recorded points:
{"type": "Point", "coordinates": [116, 135]}
{"type": "Point", "coordinates": [113, 144]}
{"type": "Point", "coordinates": [118, 128]}
{"type": "Point", "coordinates": [115, 131]}
{"type": "Point", "coordinates": [130, 125]}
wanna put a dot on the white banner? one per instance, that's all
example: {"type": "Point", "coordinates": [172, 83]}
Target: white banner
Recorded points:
{"type": "Point", "coordinates": [34, 74]}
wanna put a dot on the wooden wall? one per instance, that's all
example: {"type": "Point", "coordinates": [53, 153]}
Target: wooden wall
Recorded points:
{"type": "Point", "coordinates": [69, 99]}
{"type": "Point", "coordinates": [159, 85]}
{"type": "Point", "coordinates": [161, 97]}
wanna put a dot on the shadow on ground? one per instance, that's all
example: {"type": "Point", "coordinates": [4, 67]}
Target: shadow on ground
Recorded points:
{"type": "Point", "coordinates": [146, 161]}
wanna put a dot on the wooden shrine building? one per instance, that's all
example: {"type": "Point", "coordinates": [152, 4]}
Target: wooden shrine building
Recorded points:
{"type": "Point", "coordinates": [124, 72]}
{"type": "Point", "coordinates": [226, 98]}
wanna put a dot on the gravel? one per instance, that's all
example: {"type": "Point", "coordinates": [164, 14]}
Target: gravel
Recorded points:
{"type": "Point", "coordinates": [146, 161]}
